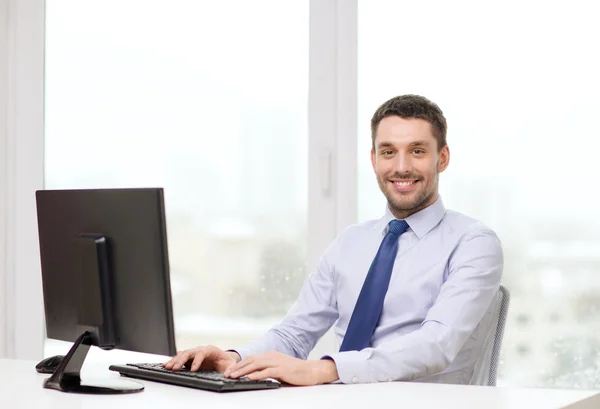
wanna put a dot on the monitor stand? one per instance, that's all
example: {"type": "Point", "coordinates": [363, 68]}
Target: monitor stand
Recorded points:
{"type": "Point", "coordinates": [66, 377]}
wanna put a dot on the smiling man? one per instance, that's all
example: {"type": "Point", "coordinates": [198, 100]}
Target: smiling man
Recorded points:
{"type": "Point", "coordinates": [409, 293]}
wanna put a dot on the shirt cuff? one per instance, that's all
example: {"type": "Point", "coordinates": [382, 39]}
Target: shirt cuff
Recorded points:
{"type": "Point", "coordinates": [352, 366]}
{"type": "Point", "coordinates": [239, 351]}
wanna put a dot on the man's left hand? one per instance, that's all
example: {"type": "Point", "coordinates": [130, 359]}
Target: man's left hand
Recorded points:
{"type": "Point", "coordinates": [285, 368]}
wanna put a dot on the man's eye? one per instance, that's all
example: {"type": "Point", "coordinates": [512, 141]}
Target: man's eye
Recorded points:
{"type": "Point", "coordinates": [386, 152]}
{"type": "Point", "coordinates": [419, 151]}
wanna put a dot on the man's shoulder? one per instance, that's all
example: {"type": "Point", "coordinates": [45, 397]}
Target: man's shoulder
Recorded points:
{"type": "Point", "coordinates": [360, 229]}
{"type": "Point", "coordinates": [461, 224]}
{"type": "Point", "coordinates": [356, 234]}
{"type": "Point", "coordinates": [472, 239]}
{"type": "Point", "coordinates": [364, 226]}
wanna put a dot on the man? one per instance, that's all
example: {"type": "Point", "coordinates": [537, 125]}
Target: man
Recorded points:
{"type": "Point", "coordinates": [409, 293]}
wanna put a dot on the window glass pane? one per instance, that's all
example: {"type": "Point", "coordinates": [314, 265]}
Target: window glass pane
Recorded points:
{"type": "Point", "coordinates": [209, 101]}
{"type": "Point", "coordinates": [518, 82]}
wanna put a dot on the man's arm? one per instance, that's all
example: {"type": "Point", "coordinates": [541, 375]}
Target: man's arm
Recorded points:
{"type": "Point", "coordinates": [309, 318]}
{"type": "Point", "coordinates": [313, 313]}
{"type": "Point", "coordinates": [473, 281]}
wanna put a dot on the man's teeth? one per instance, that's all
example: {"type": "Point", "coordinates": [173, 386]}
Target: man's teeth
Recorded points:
{"type": "Point", "coordinates": [405, 183]}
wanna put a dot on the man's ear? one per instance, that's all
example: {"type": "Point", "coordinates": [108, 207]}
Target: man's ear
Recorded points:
{"type": "Point", "coordinates": [444, 159]}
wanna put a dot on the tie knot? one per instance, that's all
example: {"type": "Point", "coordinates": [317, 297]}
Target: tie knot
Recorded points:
{"type": "Point", "coordinates": [397, 227]}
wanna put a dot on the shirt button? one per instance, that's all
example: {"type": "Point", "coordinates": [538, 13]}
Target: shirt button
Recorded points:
{"type": "Point", "coordinates": [355, 379]}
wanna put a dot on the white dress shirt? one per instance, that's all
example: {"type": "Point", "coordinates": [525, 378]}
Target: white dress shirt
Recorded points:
{"type": "Point", "coordinates": [436, 311]}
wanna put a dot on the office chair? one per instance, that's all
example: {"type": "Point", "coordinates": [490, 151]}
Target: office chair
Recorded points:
{"type": "Point", "coordinates": [486, 367]}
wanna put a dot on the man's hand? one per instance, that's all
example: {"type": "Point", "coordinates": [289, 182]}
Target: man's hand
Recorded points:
{"type": "Point", "coordinates": [285, 368]}
{"type": "Point", "coordinates": [207, 357]}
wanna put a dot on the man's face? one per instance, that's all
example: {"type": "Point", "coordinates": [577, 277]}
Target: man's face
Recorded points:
{"type": "Point", "coordinates": [407, 164]}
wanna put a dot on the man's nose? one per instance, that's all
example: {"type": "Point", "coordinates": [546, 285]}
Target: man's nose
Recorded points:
{"type": "Point", "coordinates": [403, 164]}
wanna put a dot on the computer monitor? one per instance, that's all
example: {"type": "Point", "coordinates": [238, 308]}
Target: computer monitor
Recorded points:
{"type": "Point", "coordinates": [105, 275]}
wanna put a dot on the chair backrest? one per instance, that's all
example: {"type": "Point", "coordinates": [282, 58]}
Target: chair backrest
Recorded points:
{"type": "Point", "coordinates": [486, 367]}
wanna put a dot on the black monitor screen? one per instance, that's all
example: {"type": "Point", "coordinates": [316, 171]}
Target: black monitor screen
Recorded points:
{"type": "Point", "coordinates": [105, 267]}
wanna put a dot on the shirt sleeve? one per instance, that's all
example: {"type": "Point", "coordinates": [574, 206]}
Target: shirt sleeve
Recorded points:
{"type": "Point", "coordinates": [313, 313]}
{"type": "Point", "coordinates": [475, 270]}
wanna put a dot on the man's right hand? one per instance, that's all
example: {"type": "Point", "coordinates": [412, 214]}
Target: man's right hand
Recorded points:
{"type": "Point", "coordinates": [206, 357]}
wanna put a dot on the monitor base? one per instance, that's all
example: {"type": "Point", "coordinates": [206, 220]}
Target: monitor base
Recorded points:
{"type": "Point", "coordinates": [109, 388]}
{"type": "Point", "coordinates": [67, 378]}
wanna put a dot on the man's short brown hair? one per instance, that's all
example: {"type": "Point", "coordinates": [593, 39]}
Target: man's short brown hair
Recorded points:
{"type": "Point", "coordinates": [412, 106]}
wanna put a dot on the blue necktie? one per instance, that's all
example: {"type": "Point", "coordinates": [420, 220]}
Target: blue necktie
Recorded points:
{"type": "Point", "coordinates": [370, 301]}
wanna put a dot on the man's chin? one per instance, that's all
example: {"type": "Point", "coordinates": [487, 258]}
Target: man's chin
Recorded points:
{"type": "Point", "coordinates": [402, 199]}
{"type": "Point", "coordinates": [406, 204]}
{"type": "Point", "coordinates": [402, 207]}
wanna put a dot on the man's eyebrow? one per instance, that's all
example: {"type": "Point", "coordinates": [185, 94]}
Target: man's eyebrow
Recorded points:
{"type": "Point", "coordinates": [419, 143]}
{"type": "Point", "coordinates": [384, 145]}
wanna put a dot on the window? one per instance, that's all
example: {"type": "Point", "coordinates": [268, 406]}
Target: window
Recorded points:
{"type": "Point", "coordinates": [518, 84]}
{"type": "Point", "coordinates": [212, 106]}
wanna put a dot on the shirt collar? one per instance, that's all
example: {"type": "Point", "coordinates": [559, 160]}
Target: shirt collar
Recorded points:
{"type": "Point", "coordinates": [420, 222]}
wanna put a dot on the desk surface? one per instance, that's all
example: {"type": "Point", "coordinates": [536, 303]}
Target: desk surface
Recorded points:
{"type": "Point", "coordinates": [21, 386]}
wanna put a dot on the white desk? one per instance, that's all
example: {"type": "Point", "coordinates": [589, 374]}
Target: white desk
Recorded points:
{"type": "Point", "coordinates": [21, 386]}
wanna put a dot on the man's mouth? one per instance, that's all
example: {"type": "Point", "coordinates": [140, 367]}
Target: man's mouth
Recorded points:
{"type": "Point", "coordinates": [405, 185]}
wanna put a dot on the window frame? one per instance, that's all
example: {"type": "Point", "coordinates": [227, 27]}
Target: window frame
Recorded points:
{"type": "Point", "coordinates": [332, 107]}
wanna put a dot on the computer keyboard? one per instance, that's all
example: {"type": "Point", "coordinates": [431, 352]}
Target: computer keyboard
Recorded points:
{"type": "Point", "coordinates": [209, 380]}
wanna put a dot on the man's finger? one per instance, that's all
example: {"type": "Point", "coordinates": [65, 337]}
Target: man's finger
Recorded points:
{"type": "Point", "coordinates": [256, 365]}
{"type": "Point", "coordinates": [180, 360]}
{"type": "Point", "coordinates": [170, 362]}
{"type": "Point", "coordinates": [198, 359]}
{"type": "Point", "coordinates": [238, 366]}
{"type": "Point", "coordinates": [271, 372]}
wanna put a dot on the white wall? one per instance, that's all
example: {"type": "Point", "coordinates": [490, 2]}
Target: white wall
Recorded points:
{"type": "Point", "coordinates": [3, 176]}
{"type": "Point", "coordinates": [21, 173]}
